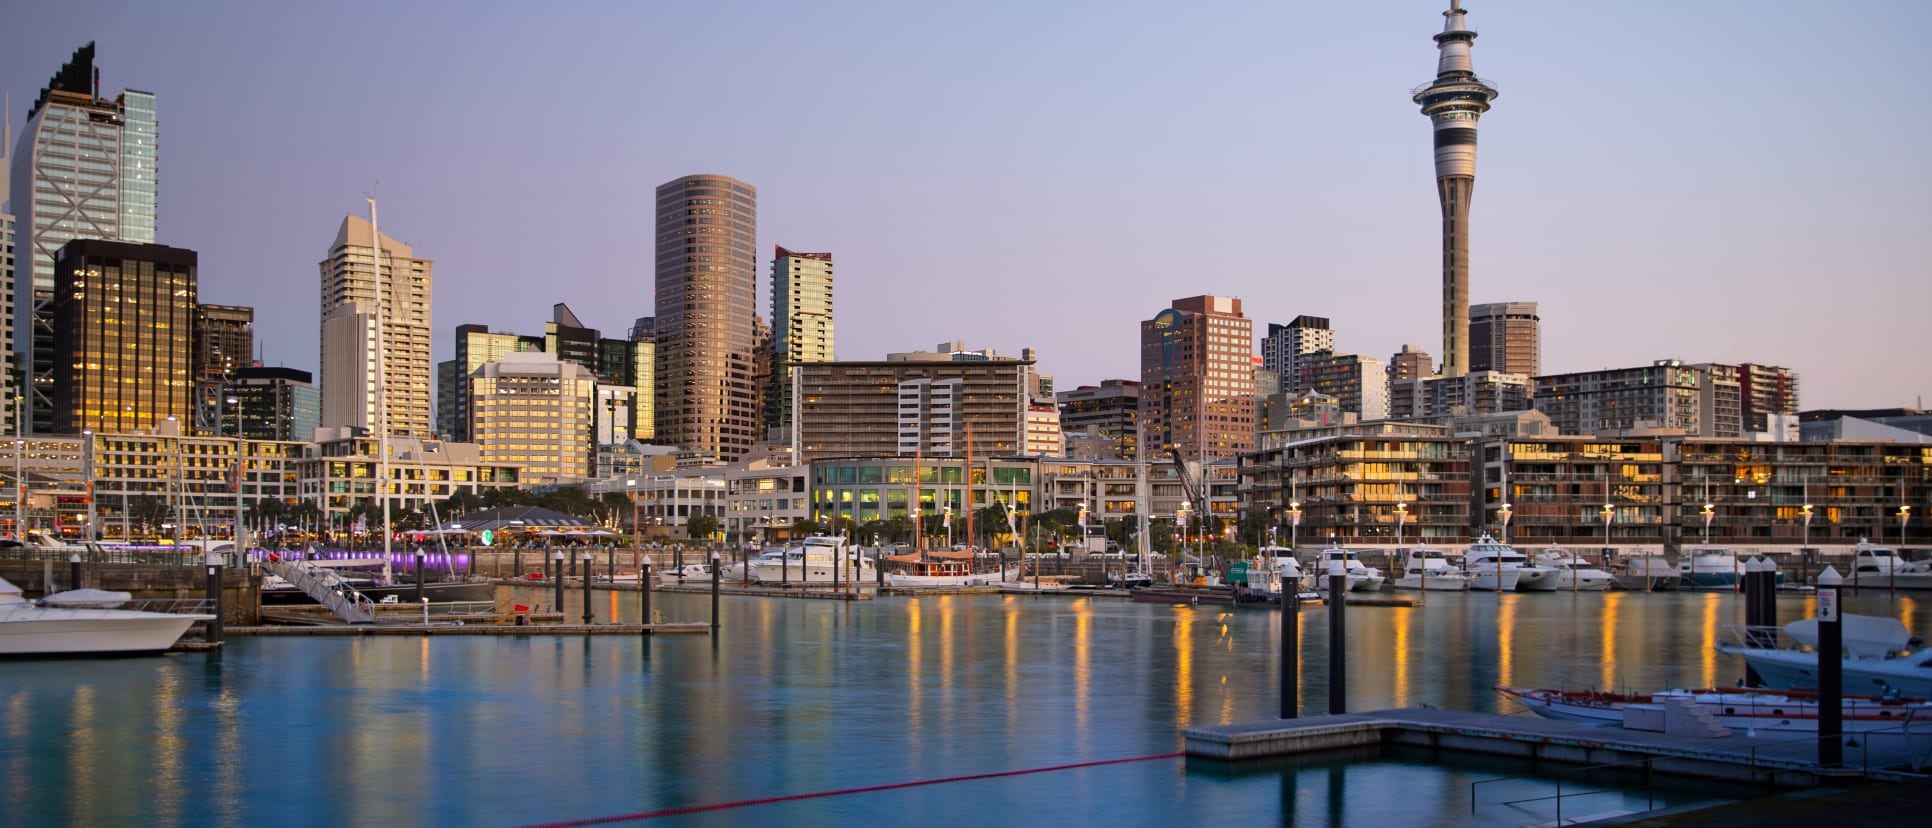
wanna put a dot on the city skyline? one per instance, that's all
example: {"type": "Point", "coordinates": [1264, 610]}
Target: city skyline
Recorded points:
{"type": "Point", "coordinates": [1039, 182]}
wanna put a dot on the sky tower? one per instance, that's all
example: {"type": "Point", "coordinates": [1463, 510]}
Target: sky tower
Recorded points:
{"type": "Point", "coordinates": [1453, 102]}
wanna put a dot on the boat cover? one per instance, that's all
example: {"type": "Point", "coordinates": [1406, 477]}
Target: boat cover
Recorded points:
{"type": "Point", "coordinates": [1866, 636]}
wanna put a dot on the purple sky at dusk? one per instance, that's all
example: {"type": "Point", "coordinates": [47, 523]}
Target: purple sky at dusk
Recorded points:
{"type": "Point", "coordinates": [1721, 180]}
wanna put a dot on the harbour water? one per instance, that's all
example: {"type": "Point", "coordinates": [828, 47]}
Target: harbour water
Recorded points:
{"type": "Point", "coordinates": [800, 697]}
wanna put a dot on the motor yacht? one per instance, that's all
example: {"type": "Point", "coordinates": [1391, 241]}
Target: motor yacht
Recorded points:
{"type": "Point", "coordinates": [1874, 565]}
{"type": "Point", "coordinates": [1428, 569]}
{"type": "Point", "coordinates": [30, 629]}
{"type": "Point", "coordinates": [1492, 565]}
{"type": "Point", "coordinates": [1709, 567]}
{"type": "Point", "coordinates": [813, 560]}
{"type": "Point", "coordinates": [1361, 577]}
{"type": "Point", "coordinates": [1574, 574]}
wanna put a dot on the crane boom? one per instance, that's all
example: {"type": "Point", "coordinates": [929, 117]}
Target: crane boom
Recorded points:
{"type": "Point", "coordinates": [1195, 496]}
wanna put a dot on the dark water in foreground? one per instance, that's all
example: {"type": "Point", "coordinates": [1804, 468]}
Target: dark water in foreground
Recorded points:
{"type": "Point", "coordinates": [799, 697]}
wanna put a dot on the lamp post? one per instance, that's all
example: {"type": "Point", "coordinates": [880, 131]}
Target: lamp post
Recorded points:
{"type": "Point", "coordinates": [19, 494]}
{"type": "Point", "coordinates": [1504, 513]}
{"type": "Point", "coordinates": [1804, 550]}
{"type": "Point", "coordinates": [1710, 511]}
{"type": "Point", "coordinates": [241, 467]}
{"type": "Point", "coordinates": [1294, 524]}
{"type": "Point", "coordinates": [1401, 516]}
{"type": "Point", "coordinates": [637, 549]}
{"type": "Point", "coordinates": [87, 476]}
{"type": "Point", "coordinates": [1609, 514]}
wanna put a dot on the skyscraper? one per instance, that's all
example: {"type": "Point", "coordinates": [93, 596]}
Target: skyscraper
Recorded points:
{"type": "Point", "coordinates": [124, 355]}
{"type": "Point", "coordinates": [1286, 348]}
{"type": "Point", "coordinates": [707, 227]}
{"type": "Point", "coordinates": [801, 318]}
{"type": "Point", "coordinates": [1197, 379]}
{"type": "Point", "coordinates": [224, 337]}
{"type": "Point", "coordinates": [475, 345]}
{"type": "Point", "coordinates": [1505, 337]}
{"type": "Point", "coordinates": [355, 353]}
{"type": "Point", "coordinates": [1454, 101]}
{"type": "Point", "coordinates": [275, 404]}
{"type": "Point", "coordinates": [84, 169]}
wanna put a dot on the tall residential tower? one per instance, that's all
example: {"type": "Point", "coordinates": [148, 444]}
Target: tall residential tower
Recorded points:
{"type": "Point", "coordinates": [1454, 101]}
{"type": "Point", "coordinates": [801, 319]}
{"type": "Point", "coordinates": [354, 300]}
{"type": "Point", "coordinates": [707, 265]}
{"type": "Point", "coordinates": [1197, 379]}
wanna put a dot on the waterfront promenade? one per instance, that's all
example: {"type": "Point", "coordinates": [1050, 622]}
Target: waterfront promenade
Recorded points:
{"type": "Point", "coordinates": [802, 697]}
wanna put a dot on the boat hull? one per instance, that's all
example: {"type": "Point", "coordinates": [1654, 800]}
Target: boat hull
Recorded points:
{"type": "Point", "coordinates": [1440, 583]}
{"type": "Point", "coordinates": [44, 633]}
{"type": "Point", "coordinates": [1798, 670]}
{"type": "Point", "coordinates": [905, 581]}
{"type": "Point", "coordinates": [436, 592]}
{"type": "Point", "coordinates": [1489, 579]}
{"type": "Point", "coordinates": [816, 573]}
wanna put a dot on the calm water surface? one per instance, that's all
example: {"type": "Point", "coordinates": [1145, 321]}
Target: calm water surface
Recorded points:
{"type": "Point", "coordinates": [801, 696]}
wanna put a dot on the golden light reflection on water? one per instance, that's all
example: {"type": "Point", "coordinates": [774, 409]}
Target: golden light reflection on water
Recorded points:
{"type": "Point", "coordinates": [1506, 638]}
{"type": "Point", "coordinates": [16, 734]}
{"type": "Point", "coordinates": [1707, 654]}
{"type": "Point", "coordinates": [1607, 626]}
{"type": "Point", "coordinates": [1405, 616]}
{"type": "Point", "coordinates": [1908, 611]}
{"type": "Point", "coordinates": [168, 743]}
{"type": "Point", "coordinates": [81, 776]}
{"type": "Point", "coordinates": [915, 655]}
{"type": "Point", "coordinates": [1082, 668]}
{"type": "Point", "coordinates": [1184, 668]}
{"type": "Point", "coordinates": [947, 612]}
{"type": "Point", "coordinates": [231, 762]}
{"type": "Point", "coordinates": [1012, 665]}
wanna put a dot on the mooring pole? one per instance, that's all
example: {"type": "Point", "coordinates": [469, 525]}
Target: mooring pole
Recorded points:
{"type": "Point", "coordinates": [1290, 647]}
{"type": "Point", "coordinates": [715, 574]}
{"type": "Point", "coordinates": [74, 571]}
{"type": "Point", "coordinates": [1831, 679]}
{"type": "Point", "coordinates": [556, 558]}
{"type": "Point", "coordinates": [588, 618]}
{"type": "Point", "coordinates": [644, 578]}
{"type": "Point", "coordinates": [214, 598]}
{"type": "Point", "coordinates": [1753, 615]}
{"type": "Point", "coordinates": [419, 575]}
{"type": "Point", "coordinates": [1337, 640]}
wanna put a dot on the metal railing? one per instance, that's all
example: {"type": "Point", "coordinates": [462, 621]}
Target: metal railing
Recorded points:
{"type": "Point", "coordinates": [327, 588]}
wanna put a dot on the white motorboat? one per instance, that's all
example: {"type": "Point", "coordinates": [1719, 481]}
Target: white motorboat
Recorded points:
{"type": "Point", "coordinates": [1428, 569]}
{"type": "Point", "coordinates": [1709, 567]}
{"type": "Point", "coordinates": [1493, 566]}
{"type": "Point", "coordinates": [1361, 577]}
{"type": "Point", "coordinates": [1874, 565]}
{"type": "Point", "coordinates": [821, 559]}
{"type": "Point", "coordinates": [1574, 574]}
{"type": "Point", "coordinates": [28, 629]}
{"type": "Point", "coordinates": [1644, 572]}
{"type": "Point", "coordinates": [1889, 723]}
{"type": "Point", "coordinates": [1880, 655]}
{"type": "Point", "coordinates": [692, 573]}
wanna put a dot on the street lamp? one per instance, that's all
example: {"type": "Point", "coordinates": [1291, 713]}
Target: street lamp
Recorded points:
{"type": "Point", "coordinates": [1904, 514]}
{"type": "Point", "coordinates": [1504, 513]}
{"type": "Point", "coordinates": [1401, 516]}
{"type": "Point", "coordinates": [87, 478]}
{"type": "Point", "coordinates": [19, 494]}
{"type": "Point", "coordinates": [1806, 516]}
{"type": "Point", "coordinates": [1609, 514]}
{"type": "Point", "coordinates": [637, 550]}
{"type": "Point", "coordinates": [241, 466]}
{"type": "Point", "coordinates": [1294, 524]}
{"type": "Point", "coordinates": [1709, 512]}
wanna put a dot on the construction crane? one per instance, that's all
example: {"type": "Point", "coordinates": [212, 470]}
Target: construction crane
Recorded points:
{"type": "Point", "coordinates": [1196, 495]}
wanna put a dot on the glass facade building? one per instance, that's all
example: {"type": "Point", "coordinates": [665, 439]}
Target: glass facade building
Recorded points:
{"type": "Point", "coordinates": [123, 321]}
{"type": "Point", "coordinates": [706, 303]}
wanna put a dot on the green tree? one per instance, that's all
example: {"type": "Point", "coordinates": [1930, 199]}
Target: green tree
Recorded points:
{"type": "Point", "coordinates": [149, 511]}
{"type": "Point", "coordinates": [461, 503]}
{"type": "Point", "coordinates": [497, 498]}
{"type": "Point", "coordinates": [701, 526]}
{"type": "Point", "coordinates": [804, 527]}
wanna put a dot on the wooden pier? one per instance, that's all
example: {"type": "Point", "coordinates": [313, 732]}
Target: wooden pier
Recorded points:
{"type": "Point", "coordinates": [1779, 760]}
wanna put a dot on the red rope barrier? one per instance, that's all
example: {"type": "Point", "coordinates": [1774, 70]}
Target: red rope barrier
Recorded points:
{"type": "Point", "coordinates": [745, 803]}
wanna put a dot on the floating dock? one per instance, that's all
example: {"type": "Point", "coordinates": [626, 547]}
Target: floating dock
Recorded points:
{"type": "Point", "coordinates": [1778, 760]}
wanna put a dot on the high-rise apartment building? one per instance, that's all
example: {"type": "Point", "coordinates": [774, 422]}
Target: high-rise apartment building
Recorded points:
{"type": "Point", "coordinates": [1287, 347]}
{"type": "Point", "coordinates": [357, 352]}
{"type": "Point", "coordinates": [1454, 101]}
{"type": "Point", "coordinates": [273, 403]}
{"type": "Point", "coordinates": [535, 411]}
{"type": "Point", "coordinates": [1766, 390]}
{"type": "Point", "coordinates": [911, 408]}
{"type": "Point", "coordinates": [801, 319]}
{"type": "Point", "coordinates": [123, 317]}
{"type": "Point", "coordinates": [1411, 363]}
{"type": "Point", "coordinates": [224, 337]}
{"type": "Point", "coordinates": [1505, 337]}
{"type": "Point", "coordinates": [1701, 400]}
{"type": "Point", "coordinates": [1197, 378]}
{"type": "Point", "coordinates": [706, 299]}
{"type": "Point", "coordinates": [84, 169]}
{"type": "Point", "coordinates": [1112, 409]}
{"type": "Point", "coordinates": [1360, 384]}
{"type": "Point", "coordinates": [475, 345]}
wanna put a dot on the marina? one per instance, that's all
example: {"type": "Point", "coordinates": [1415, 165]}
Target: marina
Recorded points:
{"type": "Point", "coordinates": [935, 686]}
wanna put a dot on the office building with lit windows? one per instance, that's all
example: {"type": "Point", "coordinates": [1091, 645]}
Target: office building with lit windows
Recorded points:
{"type": "Point", "coordinates": [123, 319]}
{"type": "Point", "coordinates": [801, 318]}
{"type": "Point", "coordinates": [1197, 378]}
{"type": "Point", "coordinates": [706, 296]}
{"type": "Point", "coordinates": [537, 412]}
{"type": "Point", "coordinates": [356, 353]}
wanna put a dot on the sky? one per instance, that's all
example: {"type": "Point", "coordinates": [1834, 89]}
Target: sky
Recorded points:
{"type": "Point", "coordinates": [1715, 181]}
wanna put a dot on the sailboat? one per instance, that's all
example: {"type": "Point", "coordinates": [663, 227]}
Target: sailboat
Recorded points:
{"type": "Point", "coordinates": [951, 568]}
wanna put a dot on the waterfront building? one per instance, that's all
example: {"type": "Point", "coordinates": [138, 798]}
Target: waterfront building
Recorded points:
{"type": "Point", "coordinates": [1704, 400]}
{"type": "Point", "coordinates": [274, 403]}
{"type": "Point", "coordinates": [802, 325]}
{"type": "Point", "coordinates": [340, 471]}
{"type": "Point", "coordinates": [1354, 481]}
{"type": "Point", "coordinates": [910, 407]}
{"type": "Point", "coordinates": [1043, 436]}
{"type": "Point", "coordinates": [1764, 391]}
{"type": "Point", "coordinates": [765, 499]}
{"type": "Point", "coordinates": [1286, 347]}
{"type": "Point", "coordinates": [123, 318]}
{"type": "Point", "coordinates": [535, 411]}
{"type": "Point", "coordinates": [224, 342]}
{"type": "Point", "coordinates": [1360, 384]}
{"type": "Point", "coordinates": [1309, 407]}
{"type": "Point", "coordinates": [84, 169]}
{"type": "Point", "coordinates": [475, 345]}
{"type": "Point", "coordinates": [1410, 363]}
{"type": "Point", "coordinates": [706, 295]}
{"type": "Point", "coordinates": [1506, 337]}
{"type": "Point", "coordinates": [668, 500]}
{"type": "Point", "coordinates": [1197, 378]}
{"type": "Point", "coordinates": [355, 353]}
{"type": "Point", "coordinates": [1454, 101]}
{"type": "Point", "coordinates": [1442, 398]}
{"type": "Point", "coordinates": [878, 493]}
{"type": "Point", "coordinates": [1111, 408]}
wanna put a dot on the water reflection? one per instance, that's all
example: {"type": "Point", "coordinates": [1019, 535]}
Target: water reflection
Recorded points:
{"type": "Point", "coordinates": [803, 696]}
